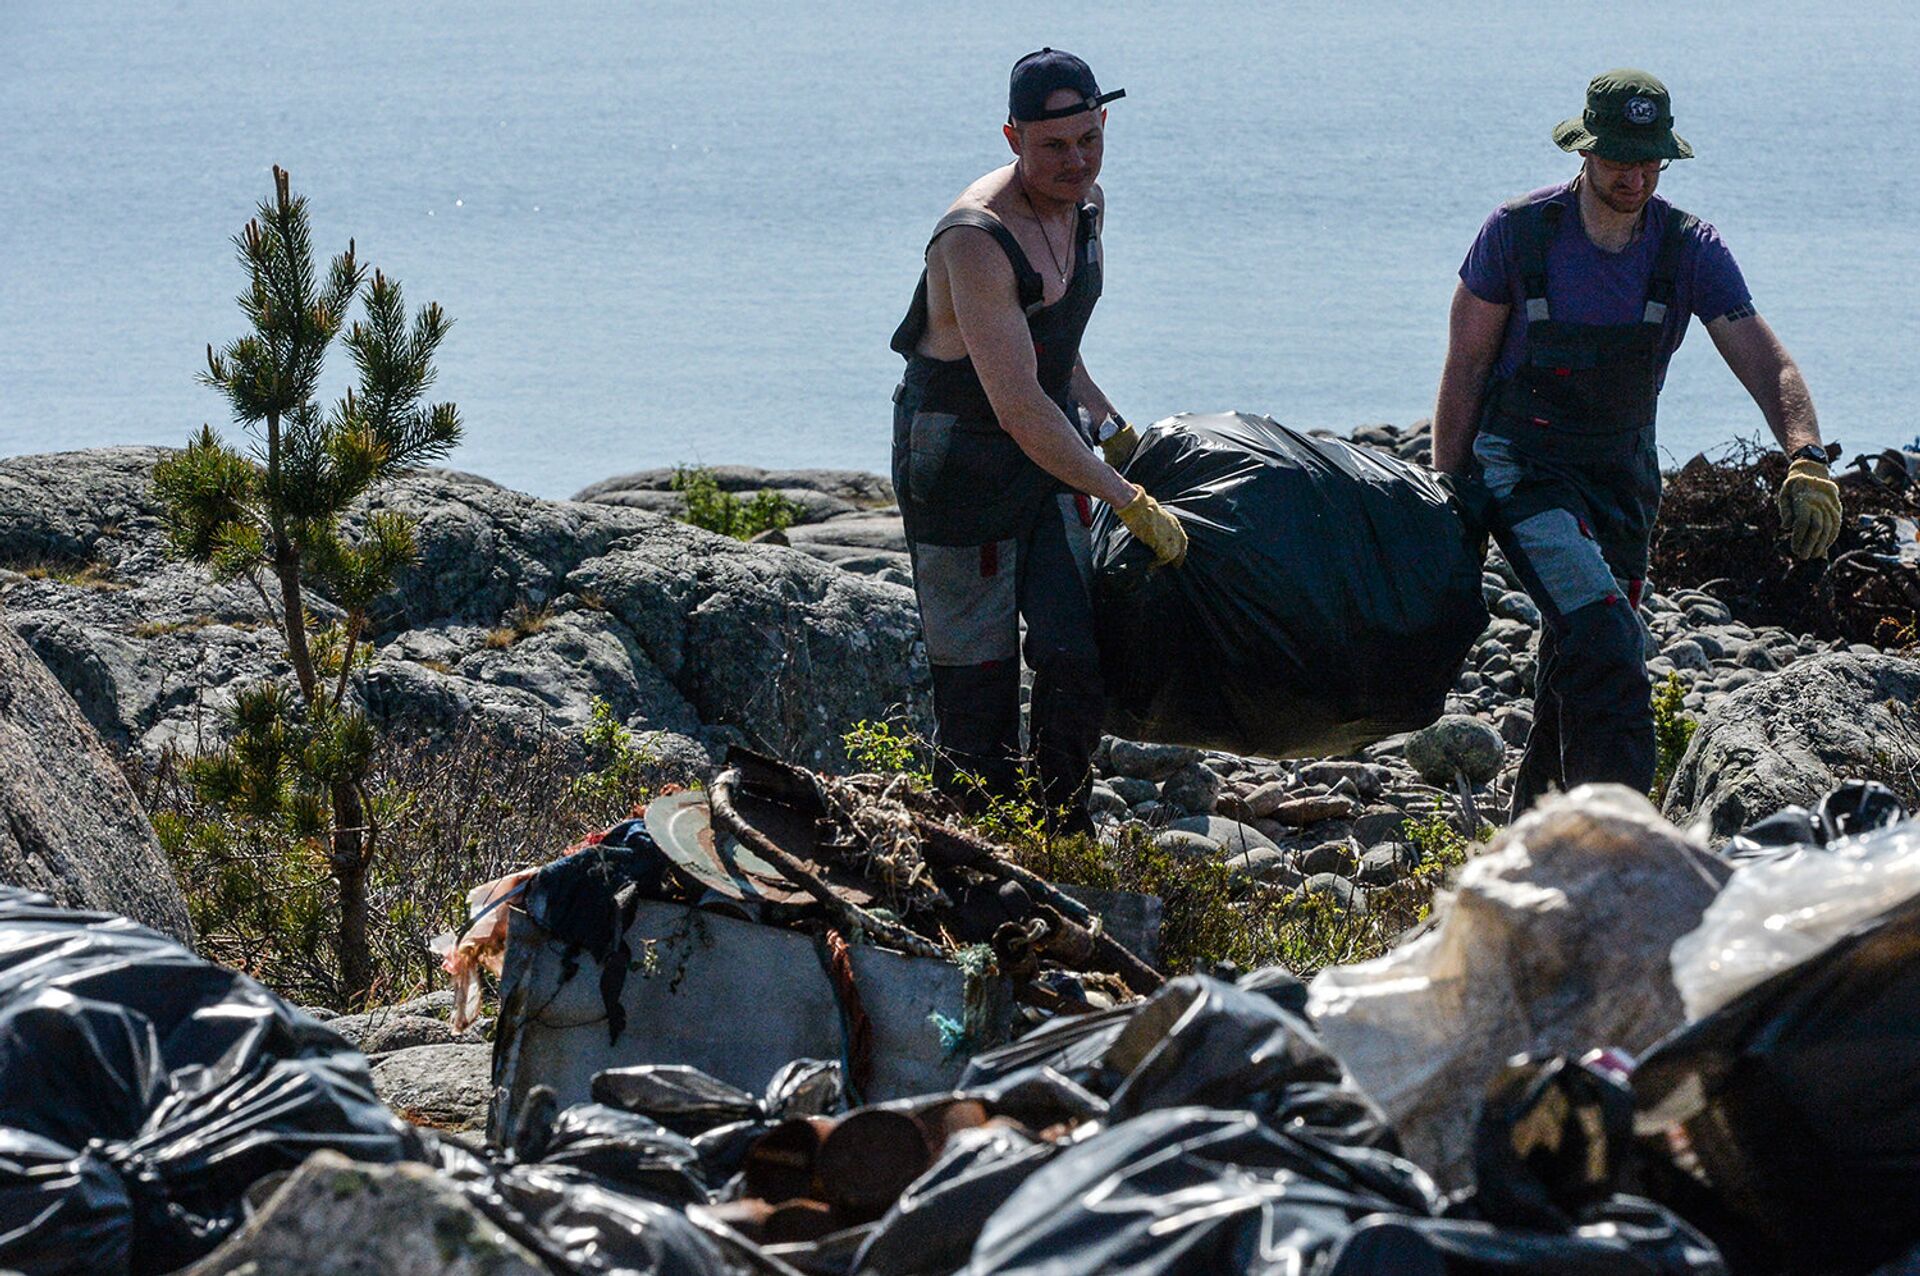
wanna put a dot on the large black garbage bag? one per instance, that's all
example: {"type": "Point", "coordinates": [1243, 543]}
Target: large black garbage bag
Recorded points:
{"type": "Point", "coordinates": [1198, 1040]}
{"type": "Point", "coordinates": [1798, 1110]}
{"type": "Point", "coordinates": [143, 1090]}
{"type": "Point", "coordinates": [1194, 1190]}
{"type": "Point", "coordinates": [1329, 595]}
{"type": "Point", "coordinates": [1624, 1236]}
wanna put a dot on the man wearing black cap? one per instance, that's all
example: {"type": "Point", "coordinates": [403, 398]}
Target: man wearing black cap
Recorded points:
{"type": "Point", "coordinates": [990, 464]}
{"type": "Point", "coordinates": [1570, 304]}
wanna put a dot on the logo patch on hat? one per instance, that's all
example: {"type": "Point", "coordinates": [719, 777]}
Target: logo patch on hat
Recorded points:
{"type": "Point", "coordinates": [1641, 110]}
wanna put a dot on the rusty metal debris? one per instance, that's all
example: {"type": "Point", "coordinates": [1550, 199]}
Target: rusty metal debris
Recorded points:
{"type": "Point", "coordinates": [942, 886]}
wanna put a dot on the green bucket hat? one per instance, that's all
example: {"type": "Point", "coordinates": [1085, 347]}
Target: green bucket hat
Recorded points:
{"type": "Point", "coordinates": [1629, 118]}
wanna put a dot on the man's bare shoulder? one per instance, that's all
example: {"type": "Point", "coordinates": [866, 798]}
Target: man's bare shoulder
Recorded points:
{"type": "Point", "coordinates": [971, 252]}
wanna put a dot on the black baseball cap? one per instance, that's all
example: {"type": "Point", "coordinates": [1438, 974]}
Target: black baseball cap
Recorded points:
{"type": "Point", "coordinates": [1040, 75]}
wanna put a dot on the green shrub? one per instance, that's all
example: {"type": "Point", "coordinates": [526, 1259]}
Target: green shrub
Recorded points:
{"type": "Point", "coordinates": [1673, 730]}
{"type": "Point", "coordinates": [453, 813]}
{"type": "Point", "coordinates": [723, 512]}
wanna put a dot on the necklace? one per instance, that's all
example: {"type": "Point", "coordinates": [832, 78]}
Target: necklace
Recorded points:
{"type": "Point", "coordinates": [1034, 213]}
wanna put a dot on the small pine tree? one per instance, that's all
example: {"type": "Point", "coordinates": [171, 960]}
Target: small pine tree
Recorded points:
{"type": "Point", "coordinates": [272, 515]}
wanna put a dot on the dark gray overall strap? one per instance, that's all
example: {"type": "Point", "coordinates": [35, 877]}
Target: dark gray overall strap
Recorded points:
{"type": "Point", "coordinates": [1032, 291]}
{"type": "Point", "coordinates": [1663, 283]}
{"type": "Point", "coordinates": [1534, 226]}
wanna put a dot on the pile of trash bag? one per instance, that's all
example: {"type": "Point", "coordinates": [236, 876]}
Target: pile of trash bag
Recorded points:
{"type": "Point", "coordinates": [143, 1090]}
{"type": "Point", "coordinates": [1207, 1126]}
{"type": "Point", "coordinates": [1329, 596]}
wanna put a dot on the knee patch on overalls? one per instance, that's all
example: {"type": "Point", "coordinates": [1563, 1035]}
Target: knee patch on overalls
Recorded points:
{"type": "Point", "coordinates": [969, 601]}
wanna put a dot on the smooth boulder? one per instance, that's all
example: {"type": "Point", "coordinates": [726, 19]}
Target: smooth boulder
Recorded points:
{"type": "Point", "coordinates": [69, 823]}
{"type": "Point", "coordinates": [1791, 737]}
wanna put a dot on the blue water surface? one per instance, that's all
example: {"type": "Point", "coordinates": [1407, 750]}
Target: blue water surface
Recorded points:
{"type": "Point", "coordinates": [678, 232]}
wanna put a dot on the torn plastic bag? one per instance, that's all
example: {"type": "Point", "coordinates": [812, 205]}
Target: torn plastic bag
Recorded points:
{"type": "Point", "coordinates": [1329, 595]}
{"type": "Point", "coordinates": [1624, 1236]}
{"type": "Point", "coordinates": [1854, 809]}
{"type": "Point", "coordinates": [933, 1226]}
{"type": "Point", "coordinates": [690, 1102]}
{"type": "Point", "coordinates": [1195, 1190]}
{"type": "Point", "coordinates": [146, 1090]}
{"type": "Point", "coordinates": [1789, 1120]}
{"type": "Point", "coordinates": [1553, 1140]}
{"type": "Point", "coordinates": [1199, 1041]}
{"type": "Point", "coordinates": [1780, 911]}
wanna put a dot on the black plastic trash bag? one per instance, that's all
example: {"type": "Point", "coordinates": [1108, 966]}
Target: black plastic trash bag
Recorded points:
{"type": "Point", "coordinates": [1195, 1190]}
{"type": "Point", "coordinates": [1786, 1124]}
{"type": "Point", "coordinates": [1624, 1236]}
{"type": "Point", "coordinates": [1854, 808]}
{"type": "Point", "coordinates": [1329, 596]}
{"type": "Point", "coordinates": [143, 1090]}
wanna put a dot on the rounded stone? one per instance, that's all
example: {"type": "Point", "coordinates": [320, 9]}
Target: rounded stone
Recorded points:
{"type": "Point", "coordinates": [1104, 802]}
{"type": "Point", "coordinates": [1456, 743]}
{"type": "Point", "coordinates": [1328, 857]}
{"type": "Point", "coordinates": [1151, 761]}
{"type": "Point", "coordinates": [1229, 835]}
{"type": "Point", "coordinates": [1515, 605]}
{"type": "Point", "coordinates": [1194, 788]}
{"type": "Point", "coordinates": [1337, 891]}
{"type": "Point", "coordinates": [1685, 653]}
{"type": "Point", "coordinates": [1386, 864]}
{"type": "Point", "coordinates": [1186, 844]}
{"type": "Point", "coordinates": [1133, 792]}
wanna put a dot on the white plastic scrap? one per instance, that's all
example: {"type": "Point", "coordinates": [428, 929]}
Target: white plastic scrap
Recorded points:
{"type": "Point", "coordinates": [1778, 913]}
{"type": "Point", "coordinates": [1553, 941]}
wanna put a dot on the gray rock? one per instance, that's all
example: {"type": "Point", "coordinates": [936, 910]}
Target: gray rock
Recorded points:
{"type": "Point", "coordinates": [1264, 864]}
{"type": "Point", "coordinates": [1456, 743]}
{"type": "Point", "coordinates": [1301, 811]}
{"type": "Point", "coordinates": [882, 532]}
{"type": "Point", "coordinates": [1758, 656]}
{"type": "Point", "coordinates": [445, 1087]}
{"type": "Point", "coordinates": [1104, 802]}
{"type": "Point", "coordinates": [1515, 605]}
{"type": "Point", "coordinates": [1194, 788]}
{"type": "Point", "coordinates": [337, 1217]}
{"type": "Point", "coordinates": [69, 823]}
{"type": "Point", "coordinates": [1368, 778]}
{"type": "Point", "coordinates": [1265, 799]}
{"type": "Point", "coordinates": [1187, 844]}
{"type": "Point", "coordinates": [1230, 835]}
{"type": "Point", "coordinates": [1151, 761]}
{"type": "Point", "coordinates": [679, 630]}
{"type": "Point", "coordinates": [1157, 814]}
{"type": "Point", "coordinates": [1133, 792]}
{"type": "Point", "coordinates": [1377, 823]}
{"type": "Point", "coordinates": [1336, 890]}
{"type": "Point", "coordinates": [1685, 653]}
{"type": "Point", "coordinates": [380, 1031]}
{"type": "Point", "coordinates": [1386, 864]}
{"type": "Point", "coordinates": [1513, 725]}
{"type": "Point", "coordinates": [1790, 737]}
{"type": "Point", "coordinates": [1327, 857]}
{"type": "Point", "coordinates": [856, 487]}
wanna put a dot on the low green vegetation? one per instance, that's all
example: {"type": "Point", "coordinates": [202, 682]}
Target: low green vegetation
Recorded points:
{"type": "Point", "coordinates": [1673, 729]}
{"type": "Point", "coordinates": [716, 510]}
{"type": "Point", "coordinates": [453, 812]}
{"type": "Point", "coordinates": [1212, 916]}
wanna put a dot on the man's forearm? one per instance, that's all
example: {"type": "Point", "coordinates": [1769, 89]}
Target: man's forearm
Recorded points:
{"type": "Point", "coordinates": [1456, 415]}
{"type": "Point", "coordinates": [1787, 406]}
{"type": "Point", "coordinates": [1089, 396]}
{"type": "Point", "coordinates": [1056, 447]}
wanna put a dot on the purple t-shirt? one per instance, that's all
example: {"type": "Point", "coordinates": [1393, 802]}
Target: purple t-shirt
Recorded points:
{"type": "Point", "coordinates": [1586, 284]}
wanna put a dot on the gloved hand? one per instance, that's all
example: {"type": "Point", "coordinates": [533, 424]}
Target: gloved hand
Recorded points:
{"type": "Point", "coordinates": [1158, 530]}
{"type": "Point", "coordinates": [1118, 447]}
{"type": "Point", "coordinates": [1810, 508]}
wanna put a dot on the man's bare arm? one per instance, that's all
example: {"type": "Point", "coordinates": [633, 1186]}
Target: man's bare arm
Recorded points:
{"type": "Point", "coordinates": [1748, 344]}
{"type": "Point", "coordinates": [987, 307]}
{"type": "Point", "coordinates": [1474, 332]}
{"type": "Point", "coordinates": [1090, 396]}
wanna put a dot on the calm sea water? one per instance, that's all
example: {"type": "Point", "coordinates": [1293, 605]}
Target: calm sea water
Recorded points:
{"type": "Point", "coordinates": [684, 232]}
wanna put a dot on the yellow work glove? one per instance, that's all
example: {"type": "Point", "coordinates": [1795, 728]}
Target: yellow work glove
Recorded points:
{"type": "Point", "coordinates": [1118, 447]}
{"type": "Point", "coordinates": [1153, 527]}
{"type": "Point", "coordinates": [1810, 508]}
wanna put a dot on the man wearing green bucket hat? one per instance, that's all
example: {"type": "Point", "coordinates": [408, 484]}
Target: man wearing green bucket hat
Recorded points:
{"type": "Point", "coordinates": [1571, 302]}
